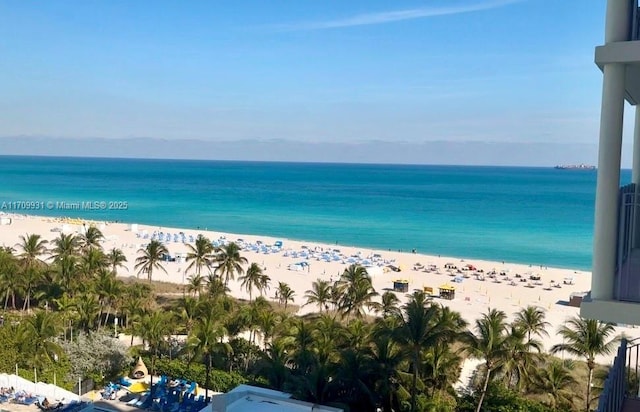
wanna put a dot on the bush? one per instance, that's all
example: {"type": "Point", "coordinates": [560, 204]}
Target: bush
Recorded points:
{"type": "Point", "coordinates": [219, 381]}
{"type": "Point", "coordinates": [501, 399]}
{"type": "Point", "coordinates": [97, 356]}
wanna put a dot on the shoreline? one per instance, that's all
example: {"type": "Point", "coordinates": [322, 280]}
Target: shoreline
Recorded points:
{"type": "Point", "coordinates": [510, 290]}
{"type": "Point", "coordinates": [199, 229]}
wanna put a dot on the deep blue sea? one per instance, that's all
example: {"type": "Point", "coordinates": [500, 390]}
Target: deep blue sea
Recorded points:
{"type": "Point", "coordinates": [538, 216]}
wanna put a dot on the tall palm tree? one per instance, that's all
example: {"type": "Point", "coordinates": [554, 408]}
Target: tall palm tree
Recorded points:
{"type": "Point", "coordinates": [155, 328]}
{"type": "Point", "coordinates": [285, 294]}
{"type": "Point", "coordinates": [67, 270]}
{"type": "Point", "coordinates": [33, 247]}
{"type": "Point", "coordinates": [92, 261]}
{"type": "Point", "coordinates": [229, 262]}
{"type": "Point", "coordinates": [64, 246]}
{"type": "Point", "coordinates": [523, 356]}
{"type": "Point", "coordinates": [274, 364]}
{"type": "Point", "coordinates": [418, 328]}
{"type": "Point", "coordinates": [37, 338]}
{"type": "Point", "coordinates": [388, 306]}
{"type": "Point", "coordinates": [387, 357]}
{"type": "Point", "coordinates": [200, 255]}
{"type": "Point", "coordinates": [251, 278]}
{"type": "Point", "coordinates": [490, 343]}
{"type": "Point", "coordinates": [532, 320]}
{"type": "Point", "coordinates": [91, 238]}
{"type": "Point", "coordinates": [320, 294]}
{"type": "Point", "coordinates": [358, 291]}
{"type": "Point", "coordinates": [116, 259]}
{"type": "Point", "coordinates": [205, 340]}
{"type": "Point", "coordinates": [151, 258]}
{"type": "Point", "coordinates": [263, 283]}
{"type": "Point", "coordinates": [586, 338]}
{"type": "Point", "coordinates": [8, 279]}
{"type": "Point", "coordinates": [216, 287]}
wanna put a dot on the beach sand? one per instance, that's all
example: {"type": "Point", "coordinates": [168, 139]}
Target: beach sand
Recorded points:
{"type": "Point", "coordinates": [473, 297]}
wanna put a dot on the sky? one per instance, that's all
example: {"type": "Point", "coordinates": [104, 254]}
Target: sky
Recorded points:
{"type": "Point", "coordinates": [335, 71]}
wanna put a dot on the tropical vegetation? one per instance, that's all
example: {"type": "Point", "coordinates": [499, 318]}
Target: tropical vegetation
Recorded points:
{"type": "Point", "coordinates": [63, 301]}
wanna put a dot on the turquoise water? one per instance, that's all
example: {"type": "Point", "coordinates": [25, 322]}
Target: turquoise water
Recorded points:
{"type": "Point", "coordinates": [525, 215]}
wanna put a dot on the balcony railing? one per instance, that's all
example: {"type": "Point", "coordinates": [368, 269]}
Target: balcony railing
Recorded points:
{"type": "Point", "coordinates": [622, 382]}
{"type": "Point", "coordinates": [627, 254]}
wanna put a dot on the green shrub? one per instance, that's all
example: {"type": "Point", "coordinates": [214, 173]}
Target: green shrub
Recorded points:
{"type": "Point", "coordinates": [219, 381]}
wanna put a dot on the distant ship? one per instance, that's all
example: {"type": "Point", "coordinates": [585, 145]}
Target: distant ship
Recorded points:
{"type": "Point", "coordinates": [581, 166]}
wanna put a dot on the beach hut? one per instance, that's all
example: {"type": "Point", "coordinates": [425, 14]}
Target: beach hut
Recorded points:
{"type": "Point", "coordinates": [447, 292]}
{"type": "Point", "coordinates": [140, 370]}
{"type": "Point", "coordinates": [401, 285]}
{"type": "Point", "coordinates": [575, 299]}
{"type": "Point", "coordinates": [428, 290]}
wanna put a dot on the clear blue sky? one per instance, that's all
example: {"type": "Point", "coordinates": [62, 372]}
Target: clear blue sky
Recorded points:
{"type": "Point", "coordinates": [333, 70]}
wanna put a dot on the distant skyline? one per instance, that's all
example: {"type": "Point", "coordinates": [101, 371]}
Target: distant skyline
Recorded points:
{"type": "Point", "coordinates": [510, 72]}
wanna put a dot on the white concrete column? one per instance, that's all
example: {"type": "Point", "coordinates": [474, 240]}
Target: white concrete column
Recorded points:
{"type": "Point", "coordinates": [617, 23]}
{"type": "Point", "coordinates": [605, 234]}
{"type": "Point", "coordinates": [610, 148]}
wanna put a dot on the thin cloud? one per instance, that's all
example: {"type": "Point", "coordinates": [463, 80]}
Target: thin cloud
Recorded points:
{"type": "Point", "coordinates": [395, 16]}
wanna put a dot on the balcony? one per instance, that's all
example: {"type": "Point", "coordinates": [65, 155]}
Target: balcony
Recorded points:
{"type": "Point", "coordinates": [624, 306]}
{"type": "Point", "coordinates": [621, 390]}
{"type": "Point", "coordinates": [627, 285]}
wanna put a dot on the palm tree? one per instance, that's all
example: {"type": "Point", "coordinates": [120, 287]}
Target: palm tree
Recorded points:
{"type": "Point", "coordinates": [155, 327]}
{"type": "Point", "coordinates": [205, 339]}
{"type": "Point", "coordinates": [64, 246]}
{"type": "Point", "coordinates": [320, 294]}
{"type": "Point", "coordinates": [531, 320]}
{"type": "Point", "coordinates": [32, 247]}
{"type": "Point", "coordinates": [274, 364]}
{"type": "Point", "coordinates": [284, 294]}
{"type": "Point", "coordinates": [116, 259]}
{"type": "Point", "coordinates": [8, 279]}
{"type": "Point", "coordinates": [199, 255]}
{"type": "Point", "coordinates": [586, 338]}
{"type": "Point", "coordinates": [67, 272]}
{"type": "Point", "coordinates": [490, 344]}
{"type": "Point", "coordinates": [88, 310]}
{"type": "Point", "coordinates": [417, 329]}
{"type": "Point", "coordinates": [151, 258]}
{"type": "Point", "coordinates": [357, 293]}
{"type": "Point", "coordinates": [388, 306]}
{"type": "Point", "coordinates": [37, 337]}
{"type": "Point", "coordinates": [523, 355]}
{"type": "Point", "coordinates": [195, 284]}
{"type": "Point", "coordinates": [91, 238]}
{"type": "Point", "coordinates": [386, 356]}
{"type": "Point", "coordinates": [92, 261]}
{"type": "Point", "coordinates": [251, 278]}
{"type": "Point", "coordinates": [216, 287]}
{"type": "Point", "coordinates": [229, 262]}
{"type": "Point", "coordinates": [556, 380]}
{"type": "Point", "coordinates": [263, 283]}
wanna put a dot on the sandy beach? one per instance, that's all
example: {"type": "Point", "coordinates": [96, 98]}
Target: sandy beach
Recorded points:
{"type": "Point", "coordinates": [510, 290]}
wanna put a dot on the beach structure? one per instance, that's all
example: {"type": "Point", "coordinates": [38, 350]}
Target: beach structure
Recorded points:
{"type": "Point", "coordinates": [447, 292]}
{"type": "Point", "coordinates": [615, 281]}
{"type": "Point", "coordinates": [401, 285]}
{"type": "Point", "coordinates": [246, 398]}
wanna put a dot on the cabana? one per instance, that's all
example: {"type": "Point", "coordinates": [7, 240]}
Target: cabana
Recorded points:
{"type": "Point", "coordinates": [140, 370]}
{"type": "Point", "coordinates": [447, 292]}
{"type": "Point", "coordinates": [428, 290]}
{"type": "Point", "coordinates": [401, 285]}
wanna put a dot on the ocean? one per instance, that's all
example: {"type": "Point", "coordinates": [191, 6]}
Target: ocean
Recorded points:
{"type": "Point", "coordinates": [538, 216]}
